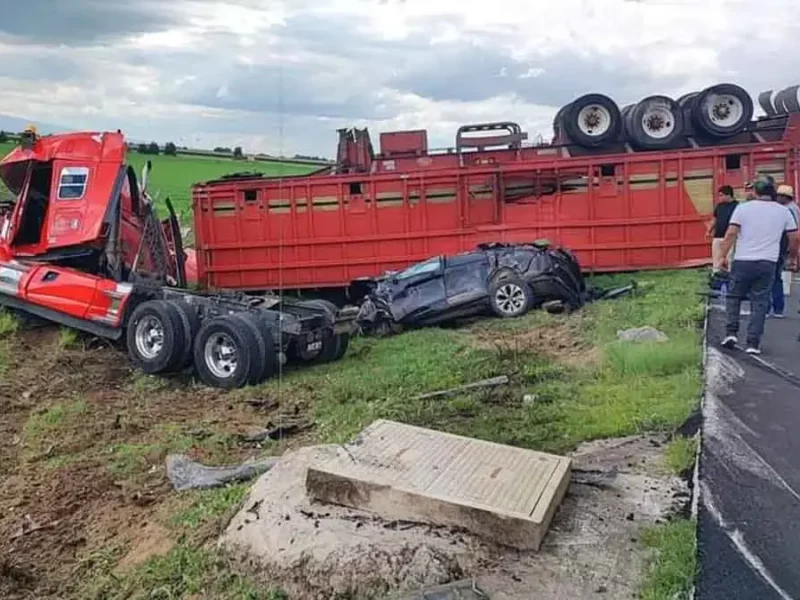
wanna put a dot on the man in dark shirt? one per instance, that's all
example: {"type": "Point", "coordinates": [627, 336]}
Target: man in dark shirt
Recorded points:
{"type": "Point", "coordinates": [722, 216]}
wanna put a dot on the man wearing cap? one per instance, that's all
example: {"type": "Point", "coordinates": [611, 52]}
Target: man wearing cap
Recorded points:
{"type": "Point", "coordinates": [749, 194]}
{"type": "Point", "coordinates": [785, 196]}
{"type": "Point", "coordinates": [756, 228]}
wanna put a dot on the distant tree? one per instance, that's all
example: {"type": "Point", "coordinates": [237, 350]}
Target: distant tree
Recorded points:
{"type": "Point", "coordinates": [237, 152]}
{"type": "Point", "coordinates": [153, 148]}
{"type": "Point", "coordinates": [3, 137]}
{"type": "Point", "coordinates": [222, 150]}
{"type": "Point", "coordinates": [170, 149]}
{"type": "Point", "coordinates": [142, 149]}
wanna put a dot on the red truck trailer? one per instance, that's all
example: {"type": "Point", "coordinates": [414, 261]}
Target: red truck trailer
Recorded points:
{"type": "Point", "coordinates": [616, 207]}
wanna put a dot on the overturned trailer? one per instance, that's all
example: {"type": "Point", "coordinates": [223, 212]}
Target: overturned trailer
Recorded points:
{"type": "Point", "coordinates": [624, 189]}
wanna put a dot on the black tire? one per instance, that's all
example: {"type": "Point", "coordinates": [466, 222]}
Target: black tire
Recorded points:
{"type": "Point", "coordinates": [655, 123]}
{"type": "Point", "coordinates": [558, 124]}
{"type": "Point", "coordinates": [790, 100]}
{"type": "Point", "coordinates": [258, 348]}
{"type": "Point", "coordinates": [510, 296]}
{"type": "Point", "coordinates": [263, 330]}
{"type": "Point", "coordinates": [778, 103]}
{"type": "Point", "coordinates": [334, 345]}
{"type": "Point", "coordinates": [227, 330]}
{"type": "Point", "coordinates": [686, 104]}
{"type": "Point", "coordinates": [721, 120]}
{"type": "Point", "coordinates": [191, 325]}
{"type": "Point", "coordinates": [143, 350]}
{"type": "Point", "coordinates": [599, 110]}
{"type": "Point", "coordinates": [765, 102]}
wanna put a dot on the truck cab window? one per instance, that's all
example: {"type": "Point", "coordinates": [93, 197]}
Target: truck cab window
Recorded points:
{"type": "Point", "coordinates": [72, 183]}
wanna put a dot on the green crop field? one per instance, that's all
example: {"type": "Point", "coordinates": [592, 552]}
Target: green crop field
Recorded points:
{"type": "Point", "coordinates": [173, 176]}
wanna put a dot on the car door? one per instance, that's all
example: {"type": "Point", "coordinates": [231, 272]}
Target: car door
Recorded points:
{"type": "Point", "coordinates": [418, 292]}
{"type": "Point", "coordinates": [466, 278]}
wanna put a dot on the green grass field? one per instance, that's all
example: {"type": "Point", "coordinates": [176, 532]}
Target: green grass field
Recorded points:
{"type": "Point", "coordinates": [173, 176]}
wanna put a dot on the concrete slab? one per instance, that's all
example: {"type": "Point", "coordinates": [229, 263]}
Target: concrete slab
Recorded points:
{"type": "Point", "coordinates": [410, 473]}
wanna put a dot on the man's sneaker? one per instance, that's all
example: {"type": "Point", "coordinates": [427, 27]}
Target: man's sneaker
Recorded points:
{"type": "Point", "coordinates": [753, 350]}
{"type": "Point", "coordinates": [775, 315]}
{"type": "Point", "coordinates": [730, 341]}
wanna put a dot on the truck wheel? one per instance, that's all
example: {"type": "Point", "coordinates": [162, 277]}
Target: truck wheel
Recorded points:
{"type": "Point", "coordinates": [155, 337]}
{"type": "Point", "coordinates": [335, 348]}
{"type": "Point", "coordinates": [790, 99]}
{"type": "Point", "coordinates": [225, 351]}
{"type": "Point", "coordinates": [191, 325]}
{"type": "Point", "coordinates": [765, 101]}
{"type": "Point", "coordinates": [722, 110]}
{"type": "Point", "coordinates": [268, 359]}
{"type": "Point", "coordinates": [655, 123]}
{"type": "Point", "coordinates": [510, 295]}
{"type": "Point", "coordinates": [341, 340]}
{"type": "Point", "coordinates": [592, 120]}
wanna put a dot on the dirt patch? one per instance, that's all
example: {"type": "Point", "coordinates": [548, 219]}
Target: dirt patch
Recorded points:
{"type": "Point", "coordinates": [319, 551]}
{"type": "Point", "coordinates": [82, 445]}
{"type": "Point", "coordinates": [560, 341]}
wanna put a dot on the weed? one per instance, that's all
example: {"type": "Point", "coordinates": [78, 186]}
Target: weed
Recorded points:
{"type": "Point", "coordinates": [8, 323]}
{"type": "Point", "coordinates": [41, 429]}
{"type": "Point", "coordinates": [67, 337]}
{"type": "Point", "coordinates": [672, 569]}
{"type": "Point", "coordinates": [209, 505]}
{"type": "Point", "coordinates": [680, 453]}
{"type": "Point", "coordinates": [129, 458]}
{"type": "Point", "coordinates": [654, 359]}
{"type": "Point", "coordinates": [181, 573]}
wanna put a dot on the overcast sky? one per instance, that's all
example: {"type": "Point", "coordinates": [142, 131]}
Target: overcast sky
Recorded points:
{"type": "Point", "coordinates": [284, 75]}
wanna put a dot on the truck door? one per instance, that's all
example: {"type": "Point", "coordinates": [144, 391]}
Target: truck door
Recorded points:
{"type": "Point", "coordinates": [82, 191]}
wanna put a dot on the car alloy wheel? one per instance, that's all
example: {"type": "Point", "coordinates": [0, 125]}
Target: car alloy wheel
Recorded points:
{"type": "Point", "coordinates": [510, 298]}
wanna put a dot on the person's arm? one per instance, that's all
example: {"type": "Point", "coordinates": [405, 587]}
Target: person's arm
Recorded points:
{"type": "Point", "coordinates": [728, 241]}
{"type": "Point", "coordinates": [713, 222]}
{"type": "Point", "coordinates": [794, 241]}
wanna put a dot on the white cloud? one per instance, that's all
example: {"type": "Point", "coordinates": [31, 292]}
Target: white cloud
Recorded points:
{"type": "Point", "coordinates": [237, 72]}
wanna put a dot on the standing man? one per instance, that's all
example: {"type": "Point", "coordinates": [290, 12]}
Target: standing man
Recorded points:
{"type": "Point", "coordinates": [756, 228]}
{"type": "Point", "coordinates": [785, 195]}
{"type": "Point", "coordinates": [722, 216]}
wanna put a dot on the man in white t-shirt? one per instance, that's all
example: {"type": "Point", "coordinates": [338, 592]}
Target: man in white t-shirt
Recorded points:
{"type": "Point", "coordinates": [756, 228]}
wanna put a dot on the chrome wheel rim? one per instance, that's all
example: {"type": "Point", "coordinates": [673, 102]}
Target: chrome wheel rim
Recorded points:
{"type": "Point", "coordinates": [658, 121]}
{"type": "Point", "coordinates": [220, 355]}
{"type": "Point", "coordinates": [724, 110]}
{"type": "Point", "coordinates": [594, 120]}
{"type": "Point", "coordinates": [149, 336]}
{"type": "Point", "coordinates": [510, 298]}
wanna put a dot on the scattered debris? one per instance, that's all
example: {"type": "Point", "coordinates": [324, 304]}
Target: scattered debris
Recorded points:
{"type": "Point", "coordinates": [284, 428]}
{"type": "Point", "coordinates": [186, 474]}
{"type": "Point", "coordinates": [529, 399]}
{"type": "Point", "coordinates": [29, 526]}
{"type": "Point", "coordinates": [642, 334]}
{"type": "Point", "coordinates": [483, 383]}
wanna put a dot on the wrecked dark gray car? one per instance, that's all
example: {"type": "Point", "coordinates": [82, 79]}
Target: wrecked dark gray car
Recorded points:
{"type": "Point", "coordinates": [505, 279]}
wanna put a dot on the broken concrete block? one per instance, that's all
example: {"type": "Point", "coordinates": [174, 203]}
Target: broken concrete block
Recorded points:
{"type": "Point", "coordinates": [642, 334]}
{"type": "Point", "coordinates": [410, 473]}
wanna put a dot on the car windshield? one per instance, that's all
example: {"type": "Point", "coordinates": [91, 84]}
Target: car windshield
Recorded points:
{"type": "Point", "coordinates": [428, 266]}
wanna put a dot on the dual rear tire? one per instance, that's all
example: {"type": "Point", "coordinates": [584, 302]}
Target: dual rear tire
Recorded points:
{"type": "Point", "coordinates": [228, 351]}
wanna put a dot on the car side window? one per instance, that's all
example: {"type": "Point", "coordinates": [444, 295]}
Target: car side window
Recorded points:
{"type": "Point", "coordinates": [429, 266]}
{"type": "Point", "coordinates": [72, 183]}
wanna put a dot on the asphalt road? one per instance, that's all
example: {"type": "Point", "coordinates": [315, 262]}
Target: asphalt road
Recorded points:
{"type": "Point", "coordinates": [749, 504]}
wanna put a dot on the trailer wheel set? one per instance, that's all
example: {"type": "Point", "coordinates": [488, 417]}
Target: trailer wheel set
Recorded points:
{"type": "Point", "coordinates": [660, 122]}
{"type": "Point", "coordinates": [226, 350]}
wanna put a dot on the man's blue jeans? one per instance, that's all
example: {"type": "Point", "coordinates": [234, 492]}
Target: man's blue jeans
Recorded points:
{"type": "Point", "coordinates": [778, 298]}
{"type": "Point", "coordinates": [749, 279]}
